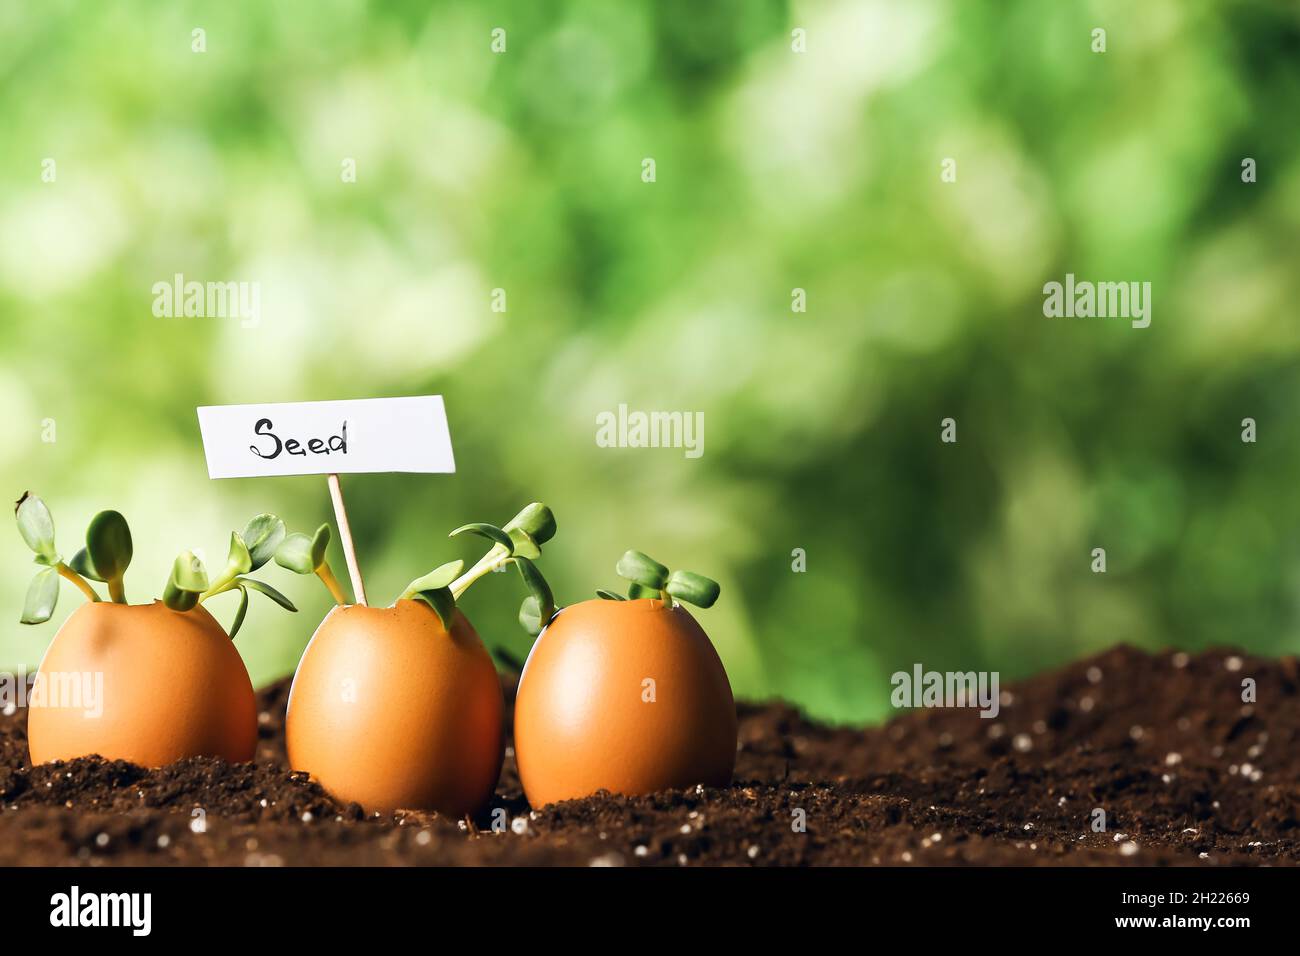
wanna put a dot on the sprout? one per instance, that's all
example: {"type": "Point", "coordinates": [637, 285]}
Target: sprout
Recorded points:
{"type": "Point", "coordinates": [36, 526]}
{"type": "Point", "coordinates": [108, 553]}
{"type": "Point", "coordinates": [518, 542]}
{"type": "Point", "coordinates": [651, 579]}
{"type": "Point", "coordinates": [302, 554]}
{"type": "Point", "coordinates": [188, 580]}
{"type": "Point", "coordinates": [249, 550]}
{"type": "Point", "coordinates": [434, 589]}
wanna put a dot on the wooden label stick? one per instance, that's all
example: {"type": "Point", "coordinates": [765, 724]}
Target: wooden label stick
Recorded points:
{"type": "Point", "coordinates": [345, 537]}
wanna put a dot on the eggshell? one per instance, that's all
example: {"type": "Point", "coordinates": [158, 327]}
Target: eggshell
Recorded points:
{"type": "Point", "coordinates": [173, 687]}
{"type": "Point", "coordinates": [582, 718]}
{"type": "Point", "coordinates": [390, 710]}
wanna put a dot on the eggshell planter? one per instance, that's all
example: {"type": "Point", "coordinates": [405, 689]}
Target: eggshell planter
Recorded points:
{"type": "Point", "coordinates": [156, 686]}
{"type": "Point", "coordinates": [392, 711]}
{"type": "Point", "coordinates": [624, 696]}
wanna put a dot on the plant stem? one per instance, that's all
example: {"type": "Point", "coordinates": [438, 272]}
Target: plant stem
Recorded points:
{"type": "Point", "coordinates": [666, 598]}
{"type": "Point", "coordinates": [78, 580]}
{"type": "Point", "coordinates": [496, 557]}
{"type": "Point", "coordinates": [117, 590]}
{"type": "Point", "coordinates": [331, 582]}
{"type": "Point", "coordinates": [220, 588]}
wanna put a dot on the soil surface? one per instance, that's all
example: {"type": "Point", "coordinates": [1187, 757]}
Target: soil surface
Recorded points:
{"type": "Point", "coordinates": [1185, 772]}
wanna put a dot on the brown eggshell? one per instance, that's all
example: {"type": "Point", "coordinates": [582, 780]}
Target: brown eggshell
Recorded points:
{"type": "Point", "coordinates": [389, 710]}
{"type": "Point", "coordinates": [582, 723]}
{"type": "Point", "coordinates": [173, 687]}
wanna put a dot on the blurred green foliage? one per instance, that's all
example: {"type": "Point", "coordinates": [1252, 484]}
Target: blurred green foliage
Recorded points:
{"type": "Point", "coordinates": [775, 170]}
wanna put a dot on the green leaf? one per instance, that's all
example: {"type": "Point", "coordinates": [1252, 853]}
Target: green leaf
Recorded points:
{"type": "Point", "coordinates": [443, 603]}
{"type": "Point", "coordinates": [262, 587]}
{"type": "Point", "coordinates": [262, 536]}
{"type": "Point", "coordinates": [178, 599]}
{"type": "Point", "coordinates": [536, 521]}
{"type": "Point", "coordinates": [36, 525]}
{"type": "Point", "coordinates": [609, 595]}
{"type": "Point", "coordinates": [188, 580]}
{"type": "Point", "coordinates": [238, 558]}
{"type": "Point", "coordinates": [693, 588]}
{"type": "Point", "coordinates": [524, 545]}
{"type": "Point", "coordinates": [294, 553]}
{"type": "Point", "coordinates": [489, 531]}
{"type": "Point", "coordinates": [642, 569]}
{"type": "Point", "coordinates": [42, 596]}
{"type": "Point", "coordinates": [238, 622]}
{"type": "Point", "coordinates": [81, 564]}
{"type": "Point", "coordinates": [108, 545]}
{"type": "Point", "coordinates": [320, 542]}
{"type": "Point", "coordinates": [437, 579]}
{"type": "Point", "coordinates": [544, 601]}
{"type": "Point", "coordinates": [530, 615]}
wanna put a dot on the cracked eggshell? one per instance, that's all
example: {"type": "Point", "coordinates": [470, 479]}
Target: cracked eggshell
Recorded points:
{"type": "Point", "coordinates": [582, 719]}
{"type": "Point", "coordinates": [173, 686]}
{"type": "Point", "coordinates": [390, 710]}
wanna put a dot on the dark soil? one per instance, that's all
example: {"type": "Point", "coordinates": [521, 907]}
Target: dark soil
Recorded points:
{"type": "Point", "coordinates": [1185, 772]}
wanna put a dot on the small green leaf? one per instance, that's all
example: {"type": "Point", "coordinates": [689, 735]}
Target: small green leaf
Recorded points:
{"type": "Point", "coordinates": [262, 535]}
{"type": "Point", "coordinates": [489, 531]}
{"type": "Point", "coordinates": [238, 622]}
{"type": "Point", "coordinates": [177, 599]}
{"type": "Point", "coordinates": [536, 521]}
{"type": "Point", "coordinates": [108, 544]}
{"type": "Point", "coordinates": [642, 569]}
{"type": "Point", "coordinates": [36, 525]}
{"type": "Point", "coordinates": [443, 603]}
{"type": "Point", "coordinates": [524, 545]}
{"type": "Point", "coordinates": [42, 596]}
{"type": "Point", "coordinates": [636, 591]}
{"type": "Point", "coordinates": [530, 615]}
{"type": "Point", "coordinates": [609, 595]}
{"type": "Point", "coordinates": [263, 588]}
{"type": "Point", "coordinates": [188, 573]}
{"type": "Point", "coordinates": [81, 564]}
{"type": "Point", "coordinates": [188, 580]}
{"type": "Point", "coordinates": [544, 601]}
{"type": "Point", "coordinates": [437, 579]}
{"type": "Point", "coordinates": [320, 541]}
{"type": "Point", "coordinates": [693, 588]}
{"type": "Point", "coordinates": [238, 559]}
{"type": "Point", "coordinates": [294, 553]}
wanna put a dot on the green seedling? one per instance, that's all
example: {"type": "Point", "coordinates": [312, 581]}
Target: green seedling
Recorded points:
{"type": "Point", "coordinates": [518, 543]}
{"type": "Point", "coordinates": [108, 553]}
{"type": "Point", "coordinates": [648, 578]}
{"type": "Point", "coordinates": [305, 554]}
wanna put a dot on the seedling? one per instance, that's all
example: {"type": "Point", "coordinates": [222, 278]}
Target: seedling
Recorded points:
{"type": "Point", "coordinates": [305, 554]}
{"type": "Point", "coordinates": [649, 578]}
{"type": "Point", "coordinates": [518, 542]}
{"type": "Point", "coordinates": [108, 553]}
{"type": "Point", "coordinates": [626, 694]}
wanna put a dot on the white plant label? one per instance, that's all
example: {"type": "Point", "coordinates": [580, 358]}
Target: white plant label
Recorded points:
{"type": "Point", "coordinates": [318, 438]}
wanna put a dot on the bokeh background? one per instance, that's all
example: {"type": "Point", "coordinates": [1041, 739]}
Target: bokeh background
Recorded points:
{"type": "Point", "coordinates": [775, 170]}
